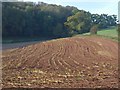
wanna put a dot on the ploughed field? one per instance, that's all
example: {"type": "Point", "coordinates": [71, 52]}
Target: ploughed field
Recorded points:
{"type": "Point", "coordinates": [69, 62]}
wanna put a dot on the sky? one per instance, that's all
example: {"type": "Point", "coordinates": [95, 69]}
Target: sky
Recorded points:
{"type": "Point", "coordinates": [93, 6]}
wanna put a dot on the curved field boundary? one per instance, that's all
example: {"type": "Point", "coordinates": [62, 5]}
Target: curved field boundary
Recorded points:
{"type": "Point", "coordinates": [75, 62]}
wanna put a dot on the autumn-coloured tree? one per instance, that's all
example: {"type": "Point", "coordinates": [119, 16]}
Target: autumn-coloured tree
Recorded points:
{"type": "Point", "coordinates": [94, 29]}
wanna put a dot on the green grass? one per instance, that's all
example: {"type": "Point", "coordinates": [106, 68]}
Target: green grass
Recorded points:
{"type": "Point", "coordinates": [107, 33]}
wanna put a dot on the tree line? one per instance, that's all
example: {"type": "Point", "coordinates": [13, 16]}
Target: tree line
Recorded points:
{"type": "Point", "coordinates": [29, 19]}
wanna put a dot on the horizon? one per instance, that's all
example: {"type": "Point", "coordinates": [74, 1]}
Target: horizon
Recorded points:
{"type": "Point", "coordinates": [109, 7]}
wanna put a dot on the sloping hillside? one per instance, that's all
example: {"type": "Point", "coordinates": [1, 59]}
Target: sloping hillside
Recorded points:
{"type": "Point", "coordinates": [68, 62]}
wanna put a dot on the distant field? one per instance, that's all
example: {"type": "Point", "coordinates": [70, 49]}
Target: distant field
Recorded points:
{"type": "Point", "coordinates": [109, 33]}
{"type": "Point", "coordinates": [23, 39]}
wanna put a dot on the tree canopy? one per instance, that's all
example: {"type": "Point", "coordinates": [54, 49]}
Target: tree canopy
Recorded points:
{"type": "Point", "coordinates": [29, 19]}
{"type": "Point", "coordinates": [77, 23]}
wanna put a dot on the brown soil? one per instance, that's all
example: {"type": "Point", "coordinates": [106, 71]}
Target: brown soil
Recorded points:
{"type": "Point", "coordinates": [90, 62]}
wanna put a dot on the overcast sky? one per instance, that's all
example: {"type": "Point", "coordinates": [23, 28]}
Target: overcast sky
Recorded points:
{"type": "Point", "coordinates": [94, 6]}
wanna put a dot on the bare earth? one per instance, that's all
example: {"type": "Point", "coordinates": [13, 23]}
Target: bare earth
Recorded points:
{"type": "Point", "coordinates": [90, 62]}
